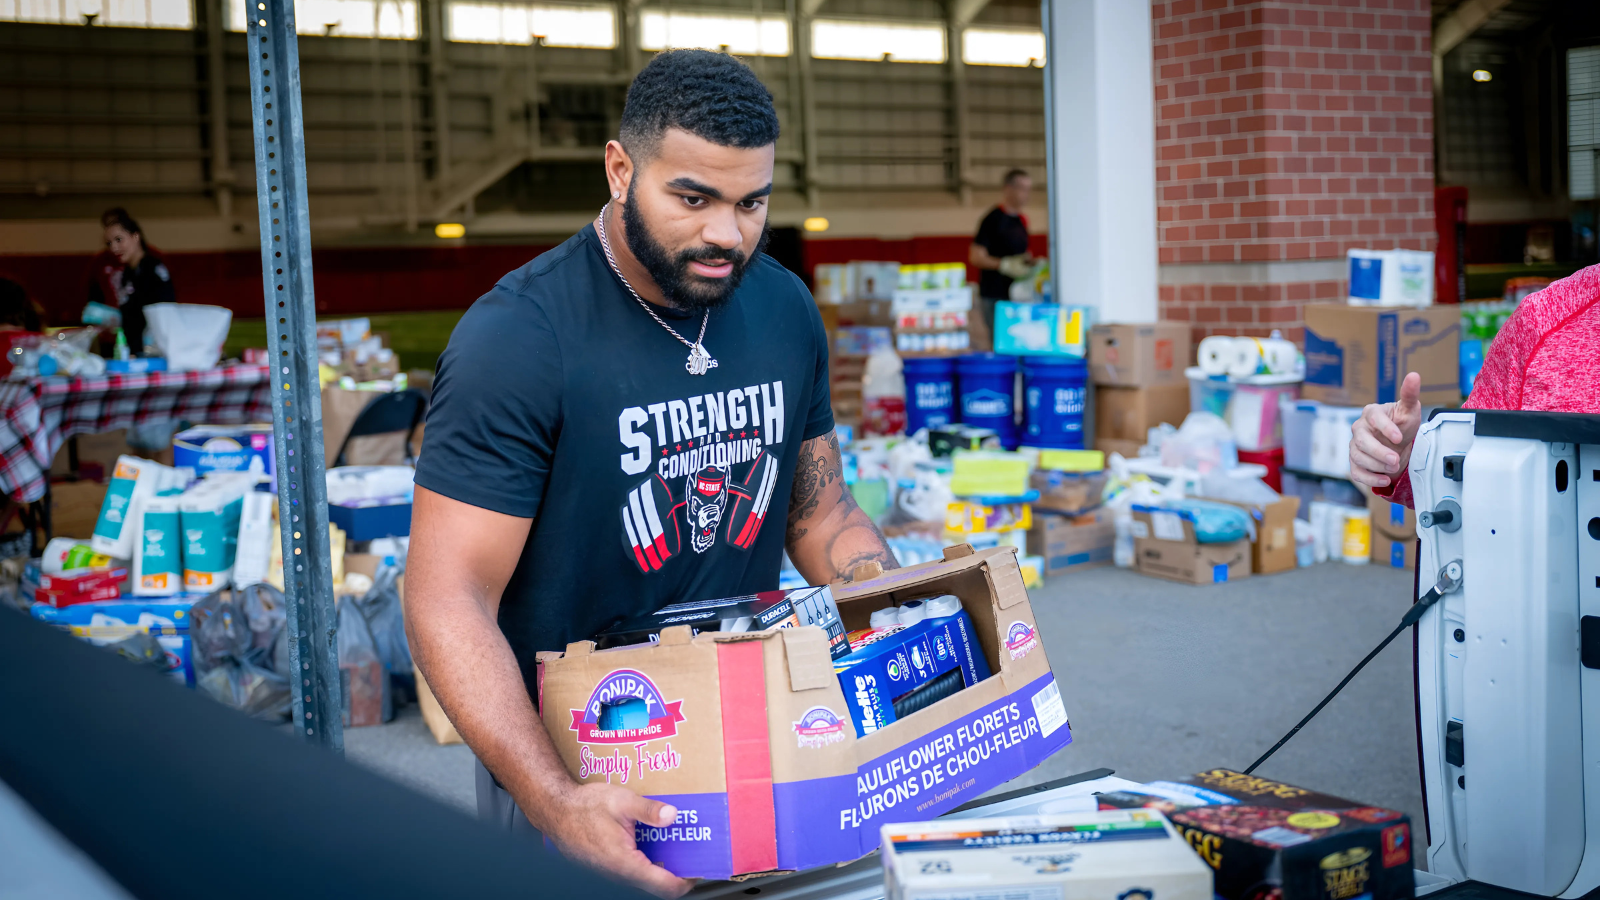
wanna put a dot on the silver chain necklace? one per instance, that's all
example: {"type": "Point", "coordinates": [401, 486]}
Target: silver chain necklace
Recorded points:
{"type": "Point", "coordinates": [700, 361]}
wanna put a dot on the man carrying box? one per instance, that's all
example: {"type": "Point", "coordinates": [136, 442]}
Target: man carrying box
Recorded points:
{"type": "Point", "coordinates": [590, 458]}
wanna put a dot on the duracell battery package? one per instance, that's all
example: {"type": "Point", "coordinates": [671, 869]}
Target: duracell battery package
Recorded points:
{"type": "Point", "coordinates": [755, 612]}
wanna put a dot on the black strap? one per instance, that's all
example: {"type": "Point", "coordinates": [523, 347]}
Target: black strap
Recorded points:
{"type": "Point", "coordinates": [1406, 621]}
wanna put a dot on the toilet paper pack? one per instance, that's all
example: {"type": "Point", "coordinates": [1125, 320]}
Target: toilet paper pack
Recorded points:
{"type": "Point", "coordinates": [158, 553]}
{"type": "Point", "coordinates": [133, 480]}
{"type": "Point", "coordinates": [209, 515]}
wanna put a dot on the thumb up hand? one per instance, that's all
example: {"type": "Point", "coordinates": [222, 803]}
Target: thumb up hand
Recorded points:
{"type": "Point", "coordinates": [1380, 441]}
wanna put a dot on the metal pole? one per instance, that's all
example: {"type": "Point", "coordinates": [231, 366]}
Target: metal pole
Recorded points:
{"type": "Point", "coordinates": [279, 128]}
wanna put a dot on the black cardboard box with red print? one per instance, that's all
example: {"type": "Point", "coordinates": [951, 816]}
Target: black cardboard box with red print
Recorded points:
{"type": "Point", "coordinates": [748, 734]}
{"type": "Point", "coordinates": [1276, 841]}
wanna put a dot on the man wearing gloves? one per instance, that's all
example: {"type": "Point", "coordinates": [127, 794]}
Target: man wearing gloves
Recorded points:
{"type": "Point", "coordinates": [1000, 249]}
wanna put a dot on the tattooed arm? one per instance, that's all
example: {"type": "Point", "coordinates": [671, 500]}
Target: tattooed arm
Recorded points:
{"type": "Point", "coordinates": [828, 534]}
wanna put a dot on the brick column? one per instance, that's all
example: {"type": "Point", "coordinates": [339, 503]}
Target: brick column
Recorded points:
{"type": "Point", "coordinates": [1287, 132]}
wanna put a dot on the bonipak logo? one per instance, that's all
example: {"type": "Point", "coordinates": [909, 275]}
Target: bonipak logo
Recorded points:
{"type": "Point", "coordinates": [819, 726]}
{"type": "Point", "coordinates": [1021, 639]}
{"type": "Point", "coordinates": [626, 708]}
{"type": "Point", "coordinates": [647, 718]}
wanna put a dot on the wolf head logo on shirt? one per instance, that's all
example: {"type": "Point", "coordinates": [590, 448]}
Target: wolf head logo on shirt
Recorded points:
{"type": "Point", "coordinates": [720, 448]}
{"type": "Point", "coordinates": [707, 491]}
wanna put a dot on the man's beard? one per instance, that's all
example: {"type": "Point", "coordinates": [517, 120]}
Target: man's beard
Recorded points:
{"type": "Point", "coordinates": [683, 289]}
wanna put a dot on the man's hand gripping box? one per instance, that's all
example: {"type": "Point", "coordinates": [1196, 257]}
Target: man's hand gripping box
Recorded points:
{"type": "Point", "coordinates": [748, 735]}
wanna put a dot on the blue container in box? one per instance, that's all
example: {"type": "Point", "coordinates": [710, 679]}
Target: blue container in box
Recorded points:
{"type": "Point", "coordinates": [930, 392]}
{"type": "Point", "coordinates": [1053, 394]}
{"type": "Point", "coordinates": [988, 383]}
{"type": "Point", "coordinates": [900, 659]}
{"type": "Point", "coordinates": [372, 519]}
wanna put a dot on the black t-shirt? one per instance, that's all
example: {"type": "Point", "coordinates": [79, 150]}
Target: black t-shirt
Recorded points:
{"type": "Point", "coordinates": [560, 400]}
{"type": "Point", "coordinates": [1002, 234]}
{"type": "Point", "coordinates": [139, 286]}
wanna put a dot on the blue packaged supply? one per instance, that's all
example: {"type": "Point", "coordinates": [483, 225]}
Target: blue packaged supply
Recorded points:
{"type": "Point", "coordinates": [915, 655]}
{"type": "Point", "coordinates": [225, 448]}
{"type": "Point", "coordinates": [110, 621]}
{"type": "Point", "coordinates": [1214, 523]}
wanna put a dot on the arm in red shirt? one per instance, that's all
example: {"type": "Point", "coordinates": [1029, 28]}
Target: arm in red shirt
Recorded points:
{"type": "Point", "coordinates": [1547, 357]}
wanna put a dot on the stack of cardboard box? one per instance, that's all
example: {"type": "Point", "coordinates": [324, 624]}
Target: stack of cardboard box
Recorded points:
{"type": "Point", "coordinates": [1139, 381]}
{"type": "Point", "coordinates": [1071, 530]}
{"type": "Point", "coordinates": [1394, 533]}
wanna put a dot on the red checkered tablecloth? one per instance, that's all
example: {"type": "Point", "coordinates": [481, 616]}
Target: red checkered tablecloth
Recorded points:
{"type": "Point", "coordinates": [39, 414]}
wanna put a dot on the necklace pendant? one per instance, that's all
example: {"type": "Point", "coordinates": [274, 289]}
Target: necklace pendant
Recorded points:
{"type": "Point", "coordinates": [700, 361]}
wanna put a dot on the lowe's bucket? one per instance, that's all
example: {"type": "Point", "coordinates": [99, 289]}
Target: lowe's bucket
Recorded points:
{"type": "Point", "coordinates": [1053, 394]}
{"type": "Point", "coordinates": [988, 394]}
{"type": "Point", "coordinates": [930, 392]}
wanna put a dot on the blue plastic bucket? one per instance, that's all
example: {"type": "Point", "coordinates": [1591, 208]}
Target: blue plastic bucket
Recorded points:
{"type": "Point", "coordinates": [988, 384]}
{"type": "Point", "coordinates": [1053, 395]}
{"type": "Point", "coordinates": [930, 392]}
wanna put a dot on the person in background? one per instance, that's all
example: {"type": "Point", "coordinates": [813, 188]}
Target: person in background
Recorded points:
{"type": "Point", "coordinates": [1546, 358]}
{"type": "Point", "coordinates": [129, 275]}
{"type": "Point", "coordinates": [1000, 250]}
{"type": "Point", "coordinates": [18, 312]}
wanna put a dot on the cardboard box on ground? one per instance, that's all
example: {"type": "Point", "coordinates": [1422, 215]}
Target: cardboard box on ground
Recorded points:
{"type": "Point", "coordinates": [1394, 532]}
{"type": "Point", "coordinates": [1164, 545]}
{"type": "Point", "coordinates": [1273, 548]}
{"type": "Point", "coordinates": [1357, 355]}
{"type": "Point", "coordinates": [1140, 355]}
{"type": "Point", "coordinates": [433, 714]}
{"type": "Point", "coordinates": [1072, 543]}
{"type": "Point", "coordinates": [1128, 413]}
{"type": "Point", "coordinates": [796, 787]}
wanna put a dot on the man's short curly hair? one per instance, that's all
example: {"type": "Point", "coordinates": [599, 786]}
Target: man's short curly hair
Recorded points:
{"type": "Point", "coordinates": [708, 94]}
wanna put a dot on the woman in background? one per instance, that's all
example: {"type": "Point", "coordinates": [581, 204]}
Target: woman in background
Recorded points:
{"type": "Point", "coordinates": [129, 275]}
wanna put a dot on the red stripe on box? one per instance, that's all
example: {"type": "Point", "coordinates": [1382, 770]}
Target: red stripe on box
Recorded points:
{"type": "Point", "coordinates": [748, 755]}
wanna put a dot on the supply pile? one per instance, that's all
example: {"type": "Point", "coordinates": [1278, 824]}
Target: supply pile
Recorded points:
{"type": "Point", "coordinates": [183, 572]}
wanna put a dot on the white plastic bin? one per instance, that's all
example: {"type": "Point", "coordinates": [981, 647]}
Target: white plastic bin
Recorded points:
{"type": "Point", "coordinates": [1298, 416]}
{"type": "Point", "coordinates": [1250, 405]}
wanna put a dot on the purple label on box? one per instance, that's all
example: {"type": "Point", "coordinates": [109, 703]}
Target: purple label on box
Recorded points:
{"type": "Point", "coordinates": [698, 844]}
{"type": "Point", "coordinates": [830, 820]}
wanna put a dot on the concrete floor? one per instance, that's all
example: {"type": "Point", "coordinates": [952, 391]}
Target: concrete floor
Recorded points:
{"type": "Point", "coordinates": [1162, 680]}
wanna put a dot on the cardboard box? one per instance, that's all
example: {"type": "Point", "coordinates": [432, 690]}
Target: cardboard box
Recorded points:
{"type": "Point", "coordinates": [433, 714]}
{"type": "Point", "coordinates": [1139, 355]}
{"type": "Point", "coordinates": [1394, 520]}
{"type": "Point", "coordinates": [75, 507]}
{"type": "Point", "coordinates": [1071, 544]}
{"type": "Point", "coordinates": [1107, 853]}
{"type": "Point", "coordinates": [1128, 413]}
{"type": "Point", "coordinates": [1357, 355]}
{"type": "Point", "coordinates": [1273, 548]}
{"type": "Point", "coordinates": [1265, 838]}
{"type": "Point", "coordinates": [1394, 552]}
{"type": "Point", "coordinates": [1129, 449]}
{"type": "Point", "coordinates": [794, 787]}
{"type": "Point", "coordinates": [1069, 493]}
{"type": "Point", "coordinates": [1184, 558]}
